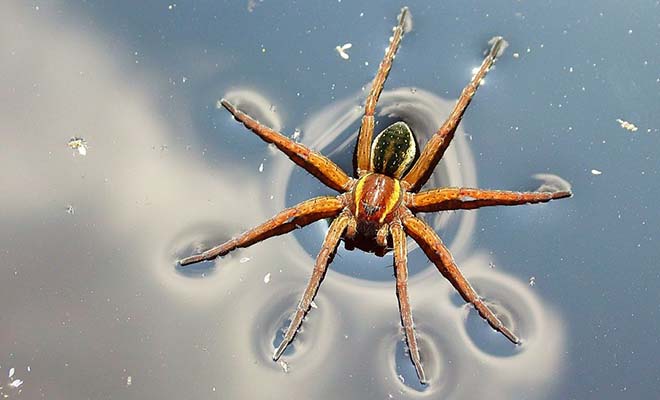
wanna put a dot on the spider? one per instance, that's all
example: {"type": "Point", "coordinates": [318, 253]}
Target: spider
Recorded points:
{"type": "Point", "coordinates": [380, 204]}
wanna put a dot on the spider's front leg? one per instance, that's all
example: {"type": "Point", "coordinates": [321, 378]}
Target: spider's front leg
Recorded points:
{"type": "Point", "coordinates": [436, 146]}
{"type": "Point", "coordinates": [438, 253]}
{"type": "Point", "coordinates": [287, 220]}
{"type": "Point", "coordinates": [401, 273]}
{"type": "Point", "coordinates": [320, 267]}
{"type": "Point", "coordinates": [363, 150]}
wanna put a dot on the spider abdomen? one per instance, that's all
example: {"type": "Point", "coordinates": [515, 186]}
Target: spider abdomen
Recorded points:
{"type": "Point", "coordinates": [393, 150]}
{"type": "Point", "coordinates": [376, 197]}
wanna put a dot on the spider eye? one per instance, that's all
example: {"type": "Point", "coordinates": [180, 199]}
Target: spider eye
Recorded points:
{"type": "Point", "coordinates": [393, 150]}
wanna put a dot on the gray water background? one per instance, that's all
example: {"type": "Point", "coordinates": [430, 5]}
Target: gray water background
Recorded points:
{"type": "Point", "coordinates": [94, 306]}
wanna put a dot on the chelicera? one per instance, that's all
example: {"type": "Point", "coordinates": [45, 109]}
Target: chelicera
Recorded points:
{"type": "Point", "coordinates": [379, 205]}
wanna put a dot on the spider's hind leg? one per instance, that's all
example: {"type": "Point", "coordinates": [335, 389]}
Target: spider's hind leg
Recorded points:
{"type": "Point", "coordinates": [320, 267]}
{"type": "Point", "coordinates": [363, 150]}
{"type": "Point", "coordinates": [436, 146]}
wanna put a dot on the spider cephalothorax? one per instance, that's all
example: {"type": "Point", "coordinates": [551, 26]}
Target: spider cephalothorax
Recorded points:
{"type": "Point", "coordinates": [380, 203]}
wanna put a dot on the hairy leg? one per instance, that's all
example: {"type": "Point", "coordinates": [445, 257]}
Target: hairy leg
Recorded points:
{"type": "Point", "coordinates": [316, 164]}
{"type": "Point", "coordinates": [322, 260]}
{"type": "Point", "coordinates": [452, 198]}
{"type": "Point", "coordinates": [436, 251]}
{"type": "Point", "coordinates": [363, 152]}
{"type": "Point", "coordinates": [401, 273]}
{"type": "Point", "coordinates": [287, 220]}
{"type": "Point", "coordinates": [436, 146]}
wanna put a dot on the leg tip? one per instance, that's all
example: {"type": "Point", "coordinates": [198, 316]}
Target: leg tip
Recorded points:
{"type": "Point", "coordinates": [498, 45]}
{"type": "Point", "coordinates": [562, 195]}
{"type": "Point", "coordinates": [280, 350]}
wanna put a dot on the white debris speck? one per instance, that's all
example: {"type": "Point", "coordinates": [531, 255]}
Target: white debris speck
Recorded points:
{"type": "Point", "coordinates": [532, 281]}
{"type": "Point", "coordinates": [516, 55]}
{"type": "Point", "coordinates": [296, 134]}
{"type": "Point", "coordinates": [28, 368]}
{"type": "Point", "coordinates": [401, 378]}
{"type": "Point", "coordinates": [285, 366]}
{"type": "Point", "coordinates": [11, 372]}
{"type": "Point", "coordinates": [78, 143]}
{"type": "Point", "coordinates": [491, 265]}
{"type": "Point", "coordinates": [267, 278]}
{"type": "Point", "coordinates": [171, 6]}
{"type": "Point", "coordinates": [342, 50]}
{"type": "Point", "coordinates": [261, 167]}
{"type": "Point", "coordinates": [16, 383]}
{"type": "Point", "coordinates": [314, 306]}
{"type": "Point", "coordinates": [244, 260]}
{"type": "Point", "coordinates": [627, 125]}
{"type": "Point", "coordinates": [129, 380]}
{"type": "Point", "coordinates": [596, 172]}
{"type": "Point", "coordinates": [70, 209]}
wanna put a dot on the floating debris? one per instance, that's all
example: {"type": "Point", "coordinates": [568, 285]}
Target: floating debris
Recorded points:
{"type": "Point", "coordinates": [627, 125]}
{"type": "Point", "coordinates": [78, 143]}
{"type": "Point", "coordinates": [532, 281]}
{"type": "Point", "coordinates": [16, 383]}
{"type": "Point", "coordinates": [491, 265]}
{"type": "Point", "coordinates": [244, 260]}
{"type": "Point", "coordinates": [296, 134]}
{"type": "Point", "coordinates": [313, 305]}
{"type": "Point", "coordinates": [252, 4]}
{"type": "Point", "coordinates": [342, 50]}
{"type": "Point", "coordinates": [70, 209]}
{"type": "Point", "coordinates": [516, 55]}
{"type": "Point", "coordinates": [129, 380]}
{"type": "Point", "coordinates": [596, 172]}
{"type": "Point", "coordinates": [11, 372]}
{"type": "Point", "coordinates": [267, 278]}
{"type": "Point", "coordinates": [261, 167]}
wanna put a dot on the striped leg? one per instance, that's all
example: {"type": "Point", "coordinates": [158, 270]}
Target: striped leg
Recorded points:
{"type": "Point", "coordinates": [363, 152]}
{"type": "Point", "coordinates": [401, 272]}
{"type": "Point", "coordinates": [436, 146]}
{"type": "Point", "coordinates": [316, 164]}
{"type": "Point", "coordinates": [322, 260]}
{"type": "Point", "coordinates": [468, 199]}
{"type": "Point", "coordinates": [436, 251]}
{"type": "Point", "coordinates": [287, 220]}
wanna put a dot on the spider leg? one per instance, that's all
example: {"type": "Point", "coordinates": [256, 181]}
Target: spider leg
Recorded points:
{"type": "Point", "coordinates": [285, 221]}
{"type": "Point", "coordinates": [363, 151]}
{"type": "Point", "coordinates": [316, 164]}
{"type": "Point", "coordinates": [436, 146]}
{"type": "Point", "coordinates": [468, 199]}
{"type": "Point", "coordinates": [322, 260]}
{"type": "Point", "coordinates": [401, 273]}
{"type": "Point", "coordinates": [438, 253]}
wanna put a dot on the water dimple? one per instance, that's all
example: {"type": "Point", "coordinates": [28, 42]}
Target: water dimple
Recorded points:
{"type": "Point", "coordinates": [187, 245]}
{"type": "Point", "coordinates": [405, 369]}
{"type": "Point", "coordinates": [485, 337]}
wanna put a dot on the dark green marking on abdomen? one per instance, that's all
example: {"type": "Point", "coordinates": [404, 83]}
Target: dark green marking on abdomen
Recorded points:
{"type": "Point", "coordinates": [393, 150]}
